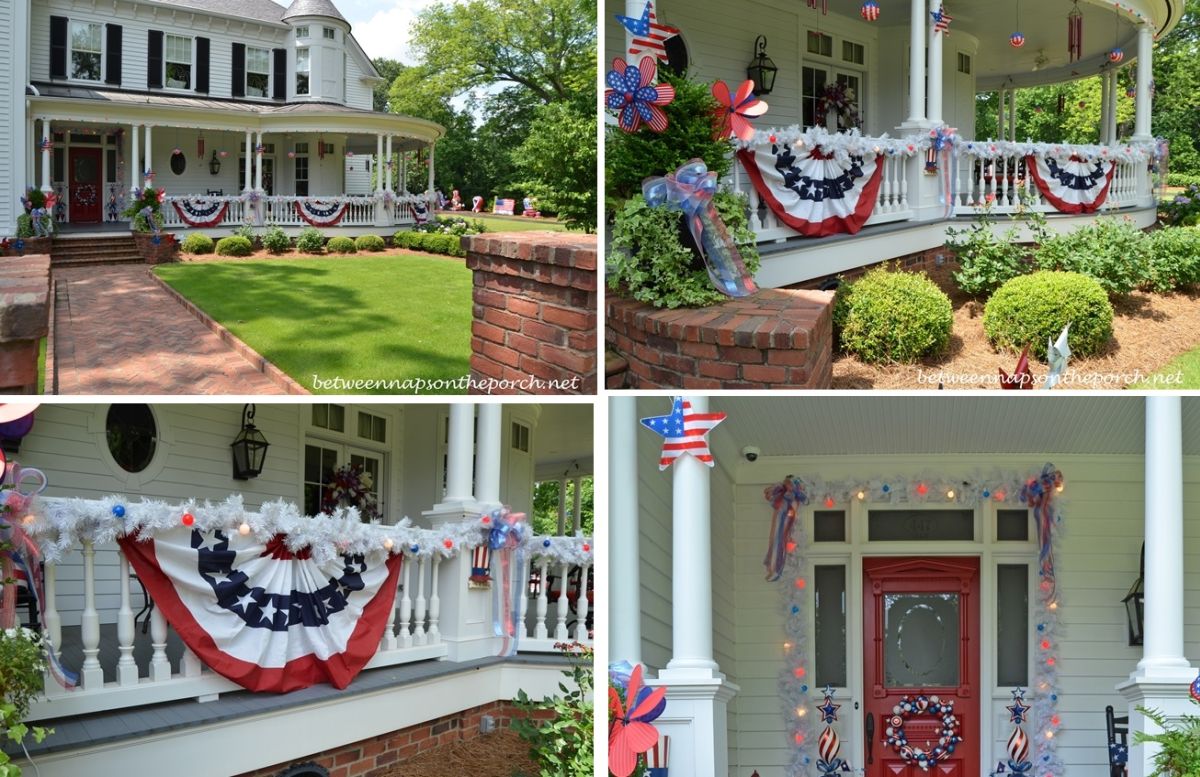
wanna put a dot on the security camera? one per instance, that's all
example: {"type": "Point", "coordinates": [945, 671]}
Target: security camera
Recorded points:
{"type": "Point", "coordinates": [751, 453]}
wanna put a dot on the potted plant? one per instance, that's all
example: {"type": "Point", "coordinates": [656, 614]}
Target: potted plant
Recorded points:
{"type": "Point", "coordinates": [35, 227]}
{"type": "Point", "coordinates": [146, 220]}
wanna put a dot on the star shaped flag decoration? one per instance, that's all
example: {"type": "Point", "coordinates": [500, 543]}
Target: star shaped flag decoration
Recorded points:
{"type": "Point", "coordinates": [828, 709]}
{"type": "Point", "coordinates": [1018, 710]}
{"type": "Point", "coordinates": [684, 431]}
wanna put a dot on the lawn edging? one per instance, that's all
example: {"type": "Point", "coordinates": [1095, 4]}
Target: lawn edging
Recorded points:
{"type": "Point", "coordinates": [257, 360]}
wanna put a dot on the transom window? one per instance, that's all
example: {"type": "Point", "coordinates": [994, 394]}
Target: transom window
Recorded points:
{"type": "Point", "coordinates": [258, 72]}
{"type": "Point", "coordinates": [819, 43]}
{"type": "Point", "coordinates": [372, 427]}
{"type": "Point", "coordinates": [330, 34]}
{"type": "Point", "coordinates": [302, 69]}
{"type": "Point", "coordinates": [520, 437]}
{"type": "Point", "coordinates": [964, 63]}
{"type": "Point", "coordinates": [920, 525]}
{"type": "Point", "coordinates": [177, 62]}
{"type": "Point", "coordinates": [853, 52]}
{"type": "Point", "coordinates": [331, 417]}
{"type": "Point", "coordinates": [86, 41]}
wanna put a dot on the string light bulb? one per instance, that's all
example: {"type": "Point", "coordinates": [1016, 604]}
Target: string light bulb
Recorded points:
{"type": "Point", "coordinates": [188, 519]}
{"type": "Point", "coordinates": [800, 583]}
{"type": "Point", "coordinates": [801, 712]}
{"type": "Point", "coordinates": [244, 529]}
{"type": "Point", "coordinates": [1059, 486]}
{"type": "Point", "coordinates": [862, 495]}
{"type": "Point", "coordinates": [828, 501]}
{"type": "Point", "coordinates": [950, 493]}
{"type": "Point", "coordinates": [922, 489]}
{"type": "Point", "coordinates": [28, 520]}
{"type": "Point", "coordinates": [387, 543]}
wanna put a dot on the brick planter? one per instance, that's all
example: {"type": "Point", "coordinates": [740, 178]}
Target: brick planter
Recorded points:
{"type": "Point", "coordinates": [778, 338]}
{"type": "Point", "coordinates": [33, 246]}
{"type": "Point", "coordinates": [535, 313]}
{"type": "Point", "coordinates": [24, 320]}
{"type": "Point", "coordinates": [166, 250]}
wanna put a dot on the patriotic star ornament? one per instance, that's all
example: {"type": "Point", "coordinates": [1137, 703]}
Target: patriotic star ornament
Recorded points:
{"type": "Point", "coordinates": [684, 431]}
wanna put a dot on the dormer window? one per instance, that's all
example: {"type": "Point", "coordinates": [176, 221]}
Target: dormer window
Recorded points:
{"type": "Point", "coordinates": [330, 34]}
{"type": "Point", "coordinates": [177, 62]}
{"type": "Point", "coordinates": [302, 32]}
{"type": "Point", "coordinates": [302, 70]}
{"type": "Point", "coordinates": [258, 72]}
{"type": "Point", "coordinates": [85, 51]}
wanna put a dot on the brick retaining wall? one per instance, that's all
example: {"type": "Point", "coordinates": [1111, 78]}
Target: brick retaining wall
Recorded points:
{"type": "Point", "coordinates": [535, 311]}
{"type": "Point", "coordinates": [24, 320]}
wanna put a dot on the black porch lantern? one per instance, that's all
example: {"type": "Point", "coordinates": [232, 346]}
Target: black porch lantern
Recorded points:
{"type": "Point", "coordinates": [1135, 605]}
{"type": "Point", "coordinates": [249, 448]}
{"type": "Point", "coordinates": [214, 164]}
{"type": "Point", "coordinates": [762, 70]}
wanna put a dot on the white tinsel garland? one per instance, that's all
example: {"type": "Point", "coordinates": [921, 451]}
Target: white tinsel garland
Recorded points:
{"type": "Point", "coordinates": [1044, 675]}
{"type": "Point", "coordinates": [57, 524]}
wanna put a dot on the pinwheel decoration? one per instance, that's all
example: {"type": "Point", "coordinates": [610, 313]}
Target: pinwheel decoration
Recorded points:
{"type": "Point", "coordinates": [634, 96]}
{"type": "Point", "coordinates": [735, 111]}
{"type": "Point", "coordinates": [1057, 353]}
{"type": "Point", "coordinates": [1021, 378]}
{"type": "Point", "coordinates": [630, 733]}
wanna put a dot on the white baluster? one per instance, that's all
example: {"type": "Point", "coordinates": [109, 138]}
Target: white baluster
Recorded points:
{"type": "Point", "coordinates": [53, 621]}
{"type": "Point", "coordinates": [524, 579]}
{"type": "Point", "coordinates": [581, 611]}
{"type": "Point", "coordinates": [127, 672]}
{"type": "Point", "coordinates": [883, 199]}
{"type": "Point", "coordinates": [1002, 182]}
{"type": "Point", "coordinates": [160, 667]}
{"type": "Point", "coordinates": [388, 642]}
{"type": "Point", "coordinates": [755, 222]}
{"type": "Point", "coordinates": [419, 636]}
{"type": "Point", "coordinates": [435, 603]}
{"type": "Point", "coordinates": [540, 631]}
{"type": "Point", "coordinates": [560, 631]}
{"type": "Point", "coordinates": [737, 176]}
{"type": "Point", "coordinates": [406, 639]}
{"type": "Point", "coordinates": [92, 674]}
{"type": "Point", "coordinates": [190, 664]}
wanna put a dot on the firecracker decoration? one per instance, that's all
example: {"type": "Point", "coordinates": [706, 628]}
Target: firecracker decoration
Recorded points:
{"type": "Point", "coordinates": [649, 36]}
{"type": "Point", "coordinates": [734, 111]}
{"type": "Point", "coordinates": [822, 4]}
{"type": "Point", "coordinates": [1074, 33]}
{"type": "Point", "coordinates": [941, 21]}
{"type": "Point", "coordinates": [785, 498]}
{"type": "Point", "coordinates": [683, 431]}
{"type": "Point", "coordinates": [1016, 40]}
{"type": "Point", "coordinates": [1021, 378]}
{"type": "Point", "coordinates": [829, 761]}
{"type": "Point", "coordinates": [1116, 55]}
{"type": "Point", "coordinates": [200, 147]}
{"type": "Point", "coordinates": [948, 736]}
{"type": "Point", "coordinates": [658, 757]}
{"type": "Point", "coordinates": [1018, 762]}
{"type": "Point", "coordinates": [869, 11]}
{"type": "Point", "coordinates": [634, 96]}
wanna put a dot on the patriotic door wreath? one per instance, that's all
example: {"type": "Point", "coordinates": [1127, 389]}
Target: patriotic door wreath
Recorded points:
{"type": "Point", "coordinates": [923, 705]}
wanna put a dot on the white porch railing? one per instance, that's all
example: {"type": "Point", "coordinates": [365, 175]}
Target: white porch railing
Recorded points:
{"type": "Point", "coordinates": [235, 212]}
{"type": "Point", "coordinates": [413, 632]}
{"type": "Point", "coordinates": [280, 210]}
{"type": "Point", "coordinates": [1006, 181]}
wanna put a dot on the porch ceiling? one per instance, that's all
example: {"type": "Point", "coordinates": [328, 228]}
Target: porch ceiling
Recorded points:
{"type": "Point", "coordinates": [833, 426]}
{"type": "Point", "coordinates": [563, 442]}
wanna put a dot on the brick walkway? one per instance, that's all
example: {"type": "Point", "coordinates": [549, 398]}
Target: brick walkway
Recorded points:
{"type": "Point", "coordinates": [117, 332]}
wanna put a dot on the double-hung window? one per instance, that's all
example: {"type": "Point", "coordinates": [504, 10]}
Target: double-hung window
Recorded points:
{"type": "Point", "coordinates": [258, 72]}
{"type": "Point", "coordinates": [302, 71]}
{"type": "Point", "coordinates": [86, 40]}
{"type": "Point", "coordinates": [177, 62]}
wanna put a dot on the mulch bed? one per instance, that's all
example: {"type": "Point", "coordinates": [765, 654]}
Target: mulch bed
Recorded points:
{"type": "Point", "coordinates": [500, 754]}
{"type": "Point", "coordinates": [1149, 330]}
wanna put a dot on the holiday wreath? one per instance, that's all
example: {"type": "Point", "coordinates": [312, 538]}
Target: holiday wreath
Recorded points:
{"type": "Point", "coordinates": [923, 705]}
{"type": "Point", "coordinates": [350, 486]}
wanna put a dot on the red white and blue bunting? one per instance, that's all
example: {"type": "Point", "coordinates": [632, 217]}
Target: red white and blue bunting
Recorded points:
{"type": "Point", "coordinates": [200, 211]}
{"type": "Point", "coordinates": [262, 616]}
{"type": "Point", "coordinates": [1074, 185]}
{"type": "Point", "coordinates": [321, 213]}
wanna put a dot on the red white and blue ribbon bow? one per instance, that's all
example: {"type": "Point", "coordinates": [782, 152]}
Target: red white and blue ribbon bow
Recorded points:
{"type": "Point", "coordinates": [690, 189]}
{"type": "Point", "coordinates": [635, 97]}
{"type": "Point", "coordinates": [1038, 494]}
{"type": "Point", "coordinates": [684, 431]}
{"type": "Point", "coordinates": [784, 497]}
{"type": "Point", "coordinates": [506, 540]}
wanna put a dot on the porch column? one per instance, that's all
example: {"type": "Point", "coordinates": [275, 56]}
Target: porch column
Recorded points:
{"type": "Point", "coordinates": [1113, 100]}
{"type": "Point", "coordinates": [149, 153]}
{"type": "Point", "coordinates": [379, 162]}
{"type": "Point", "coordinates": [1012, 115]}
{"type": "Point", "coordinates": [1145, 74]}
{"type": "Point", "coordinates": [460, 453]}
{"type": "Point", "coordinates": [487, 457]}
{"type": "Point", "coordinates": [387, 167]}
{"type": "Point", "coordinates": [135, 160]}
{"type": "Point", "coordinates": [31, 161]}
{"type": "Point", "coordinates": [1163, 676]}
{"type": "Point", "coordinates": [1105, 97]}
{"type": "Point", "coordinates": [249, 162]}
{"type": "Point", "coordinates": [47, 155]}
{"type": "Point", "coordinates": [429, 191]}
{"type": "Point", "coordinates": [403, 172]}
{"type": "Point", "coordinates": [577, 515]}
{"type": "Point", "coordinates": [935, 70]}
{"type": "Point", "coordinates": [1001, 133]}
{"type": "Point", "coordinates": [258, 154]}
{"type": "Point", "coordinates": [624, 568]}
{"type": "Point", "coordinates": [918, 21]}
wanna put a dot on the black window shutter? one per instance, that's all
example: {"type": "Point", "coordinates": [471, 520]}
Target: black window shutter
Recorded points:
{"type": "Point", "coordinates": [154, 60]}
{"type": "Point", "coordinates": [202, 65]}
{"type": "Point", "coordinates": [280, 86]}
{"type": "Point", "coordinates": [112, 63]}
{"type": "Point", "coordinates": [58, 47]}
{"type": "Point", "coordinates": [239, 70]}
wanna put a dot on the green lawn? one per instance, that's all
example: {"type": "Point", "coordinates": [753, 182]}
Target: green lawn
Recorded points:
{"type": "Point", "coordinates": [388, 318]}
{"type": "Point", "coordinates": [1186, 365]}
{"type": "Point", "coordinates": [496, 223]}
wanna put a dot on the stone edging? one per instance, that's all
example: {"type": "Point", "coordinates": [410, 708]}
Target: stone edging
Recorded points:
{"type": "Point", "coordinates": [273, 373]}
{"type": "Point", "coordinates": [50, 380]}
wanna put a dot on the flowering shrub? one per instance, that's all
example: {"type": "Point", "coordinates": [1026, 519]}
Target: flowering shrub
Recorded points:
{"type": "Point", "coordinates": [452, 225]}
{"type": "Point", "coordinates": [38, 219]}
{"type": "Point", "coordinates": [350, 486]}
{"type": "Point", "coordinates": [563, 744]}
{"type": "Point", "coordinates": [145, 209]}
{"type": "Point", "coordinates": [1184, 210]}
{"type": "Point", "coordinates": [310, 241]}
{"type": "Point", "coordinates": [22, 663]}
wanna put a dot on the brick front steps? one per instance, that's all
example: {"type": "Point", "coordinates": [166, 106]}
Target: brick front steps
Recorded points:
{"type": "Point", "coordinates": [79, 251]}
{"type": "Point", "coordinates": [778, 338]}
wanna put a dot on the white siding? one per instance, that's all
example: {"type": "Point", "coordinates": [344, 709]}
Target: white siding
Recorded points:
{"type": "Point", "coordinates": [359, 93]}
{"type": "Point", "coordinates": [358, 174]}
{"type": "Point", "coordinates": [14, 75]}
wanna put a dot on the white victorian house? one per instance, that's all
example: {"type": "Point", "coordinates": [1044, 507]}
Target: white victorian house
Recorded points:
{"type": "Point", "coordinates": [913, 568]}
{"type": "Point", "coordinates": [144, 698]}
{"type": "Point", "coordinates": [901, 77]}
{"type": "Point", "coordinates": [243, 112]}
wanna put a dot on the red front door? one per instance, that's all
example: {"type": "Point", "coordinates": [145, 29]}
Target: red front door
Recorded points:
{"type": "Point", "coordinates": [85, 185]}
{"type": "Point", "coordinates": [921, 629]}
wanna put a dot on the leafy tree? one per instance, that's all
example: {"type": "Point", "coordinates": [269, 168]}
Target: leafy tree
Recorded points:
{"type": "Point", "coordinates": [545, 506]}
{"type": "Point", "coordinates": [559, 156]}
{"type": "Point", "coordinates": [389, 69]}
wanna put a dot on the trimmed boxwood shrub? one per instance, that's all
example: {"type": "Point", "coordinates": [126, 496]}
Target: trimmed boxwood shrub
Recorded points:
{"type": "Point", "coordinates": [310, 241]}
{"type": "Point", "coordinates": [1033, 309]}
{"type": "Point", "coordinates": [1174, 258]}
{"type": "Point", "coordinates": [276, 240]}
{"type": "Point", "coordinates": [370, 243]}
{"type": "Point", "coordinates": [340, 245]}
{"type": "Point", "coordinates": [197, 243]}
{"type": "Point", "coordinates": [235, 245]}
{"type": "Point", "coordinates": [1115, 253]}
{"type": "Point", "coordinates": [889, 316]}
{"type": "Point", "coordinates": [450, 245]}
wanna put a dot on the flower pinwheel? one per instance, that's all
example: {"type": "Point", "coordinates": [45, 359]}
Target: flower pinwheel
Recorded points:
{"type": "Point", "coordinates": [734, 112]}
{"type": "Point", "coordinates": [634, 96]}
{"type": "Point", "coordinates": [630, 733]}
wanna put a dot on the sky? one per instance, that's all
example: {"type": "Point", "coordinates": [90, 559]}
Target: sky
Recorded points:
{"type": "Point", "coordinates": [381, 26]}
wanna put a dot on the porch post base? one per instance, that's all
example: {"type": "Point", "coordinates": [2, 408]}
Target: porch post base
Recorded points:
{"type": "Point", "coordinates": [696, 719]}
{"type": "Point", "coordinates": [1163, 690]}
{"type": "Point", "coordinates": [916, 125]}
{"type": "Point", "coordinates": [465, 620]}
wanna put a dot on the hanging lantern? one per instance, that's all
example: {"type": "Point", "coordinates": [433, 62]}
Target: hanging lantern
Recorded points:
{"type": "Point", "coordinates": [870, 11]}
{"type": "Point", "coordinates": [1074, 33]}
{"type": "Point", "coordinates": [1116, 55]}
{"type": "Point", "coordinates": [320, 148]}
{"type": "Point", "coordinates": [200, 147]}
{"type": "Point", "coordinates": [222, 153]}
{"type": "Point", "coordinates": [1016, 40]}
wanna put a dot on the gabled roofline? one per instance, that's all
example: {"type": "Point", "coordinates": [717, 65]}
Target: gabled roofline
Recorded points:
{"type": "Point", "coordinates": [280, 25]}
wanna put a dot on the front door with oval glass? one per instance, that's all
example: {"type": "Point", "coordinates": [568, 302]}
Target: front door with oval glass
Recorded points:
{"type": "Point", "coordinates": [85, 187]}
{"type": "Point", "coordinates": [921, 666]}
